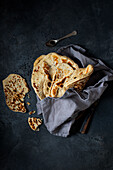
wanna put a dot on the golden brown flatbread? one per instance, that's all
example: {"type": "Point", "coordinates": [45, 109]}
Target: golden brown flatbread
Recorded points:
{"type": "Point", "coordinates": [53, 74]}
{"type": "Point", "coordinates": [15, 89]}
{"type": "Point", "coordinates": [34, 123]}
{"type": "Point", "coordinates": [79, 78]}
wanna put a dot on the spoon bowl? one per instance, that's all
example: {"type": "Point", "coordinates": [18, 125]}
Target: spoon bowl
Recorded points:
{"type": "Point", "coordinates": [51, 43]}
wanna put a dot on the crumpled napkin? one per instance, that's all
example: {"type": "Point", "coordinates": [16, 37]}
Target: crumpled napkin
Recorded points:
{"type": "Point", "coordinates": [59, 113]}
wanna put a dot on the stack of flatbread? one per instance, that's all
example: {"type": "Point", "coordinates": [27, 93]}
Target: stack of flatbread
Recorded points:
{"type": "Point", "coordinates": [53, 74]}
{"type": "Point", "coordinates": [15, 89]}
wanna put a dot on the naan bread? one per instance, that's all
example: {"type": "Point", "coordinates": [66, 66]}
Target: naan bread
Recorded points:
{"type": "Point", "coordinates": [53, 74]}
{"type": "Point", "coordinates": [34, 123]}
{"type": "Point", "coordinates": [79, 78]}
{"type": "Point", "coordinates": [15, 89]}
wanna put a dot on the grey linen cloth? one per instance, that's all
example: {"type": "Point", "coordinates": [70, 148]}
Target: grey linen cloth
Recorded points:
{"type": "Point", "coordinates": [59, 113]}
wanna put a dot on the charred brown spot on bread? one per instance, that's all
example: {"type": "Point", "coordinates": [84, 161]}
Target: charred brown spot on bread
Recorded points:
{"type": "Point", "coordinates": [54, 78]}
{"type": "Point", "coordinates": [38, 61]}
{"type": "Point", "coordinates": [49, 84]}
{"type": "Point", "coordinates": [61, 82]}
{"type": "Point", "coordinates": [55, 91]}
{"type": "Point", "coordinates": [55, 59]}
{"type": "Point", "coordinates": [64, 60]}
{"type": "Point", "coordinates": [30, 120]}
{"type": "Point", "coordinates": [59, 69]}
{"type": "Point", "coordinates": [14, 99]}
{"type": "Point", "coordinates": [61, 85]}
{"type": "Point", "coordinates": [34, 119]}
{"type": "Point", "coordinates": [80, 73]}
{"type": "Point", "coordinates": [47, 89]}
{"type": "Point", "coordinates": [5, 90]}
{"type": "Point", "coordinates": [70, 64]}
{"type": "Point", "coordinates": [34, 84]}
{"type": "Point", "coordinates": [33, 127]}
{"type": "Point", "coordinates": [37, 90]}
{"type": "Point", "coordinates": [46, 66]}
{"type": "Point", "coordinates": [56, 62]}
{"type": "Point", "coordinates": [46, 71]}
{"type": "Point", "coordinates": [35, 70]}
{"type": "Point", "coordinates": [21, 107]}
{"type": "Point", "coordinates": [49, 77]}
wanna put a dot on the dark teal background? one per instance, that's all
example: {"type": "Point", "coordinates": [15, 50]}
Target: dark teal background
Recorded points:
{"type": "Point", "coordinates": [25, 26]}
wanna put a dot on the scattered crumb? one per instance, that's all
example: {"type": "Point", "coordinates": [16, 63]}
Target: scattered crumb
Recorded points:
{"type": "Point", "coordinates": [28, 96]}
{"type": "Point", "coordinates": [38, 129]}
{"type": "Point", "coordinates": [32, 112]}
{"type": "Point", "coordinates": [28, 103]}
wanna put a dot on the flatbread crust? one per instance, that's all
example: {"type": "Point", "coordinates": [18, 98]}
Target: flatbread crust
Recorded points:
{"type": "Point", "coordinates": [53, 74]}
{"type": "Point", "coordinates": [15, 89]}
{"type": "Point", "coordinates": [34, 123]}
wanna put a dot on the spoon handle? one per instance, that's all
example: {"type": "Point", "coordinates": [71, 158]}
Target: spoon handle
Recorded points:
{"type": "Point", "coordinates": [68, 35]}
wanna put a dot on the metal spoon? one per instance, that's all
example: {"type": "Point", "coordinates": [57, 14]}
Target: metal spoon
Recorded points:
{"type": "Point", "coordinates": [52, 43]}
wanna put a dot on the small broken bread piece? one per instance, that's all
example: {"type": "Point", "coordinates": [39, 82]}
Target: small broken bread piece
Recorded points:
{"type": "Point", "coordinates": [15, 89]}
{"type": "Point", "coordinates": [28, 96]}
{"type": "Point", "coordinates": [32, 112]}
{"type": "Point", "coordinates": [28, 103]}
{"type": "Point", "coordinates": [34, 123]}
{"type": "Point", "coordinates": [53, 74]}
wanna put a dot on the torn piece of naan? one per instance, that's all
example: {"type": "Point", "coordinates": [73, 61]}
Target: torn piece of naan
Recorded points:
{"type": "Point", "coordinates": [34, 123]}
{"type": "Point", "coordinates": [15, 89]}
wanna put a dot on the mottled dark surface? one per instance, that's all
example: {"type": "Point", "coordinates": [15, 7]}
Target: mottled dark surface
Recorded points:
{"type": "Point", "coordinates": [25, 26]}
